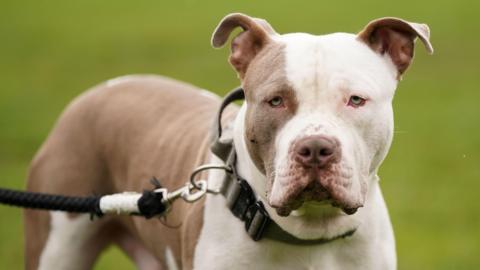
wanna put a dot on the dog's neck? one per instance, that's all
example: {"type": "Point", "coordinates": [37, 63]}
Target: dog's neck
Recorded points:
{"type": "Point", "coordinates": [292, 224]}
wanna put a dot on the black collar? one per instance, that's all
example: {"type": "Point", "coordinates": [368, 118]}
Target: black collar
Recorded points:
{"type": "Point", "coordinates": [241, 198]}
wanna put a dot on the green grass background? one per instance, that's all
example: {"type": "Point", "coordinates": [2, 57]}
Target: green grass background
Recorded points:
{"type": "Point", "coordinates": [51, 51]}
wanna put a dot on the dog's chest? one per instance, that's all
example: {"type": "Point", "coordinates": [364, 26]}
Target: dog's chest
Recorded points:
{"type": "Point", "coordinates": [223, 244]}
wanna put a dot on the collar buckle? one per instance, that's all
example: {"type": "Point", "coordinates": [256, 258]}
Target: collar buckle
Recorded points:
{"type": "Point", "coordinates": [256, 220]}
{"type": "Point", "coordinates": [239, 197]}
{"type": "Point", "coordinates": [243, 204]}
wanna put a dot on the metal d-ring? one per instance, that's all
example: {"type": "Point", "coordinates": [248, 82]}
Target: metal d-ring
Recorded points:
{"type": "Point", "coordinates": [204, 168]}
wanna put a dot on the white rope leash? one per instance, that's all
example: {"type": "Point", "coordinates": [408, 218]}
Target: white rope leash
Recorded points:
{"type": "Point", "coordinates": [120, 203]}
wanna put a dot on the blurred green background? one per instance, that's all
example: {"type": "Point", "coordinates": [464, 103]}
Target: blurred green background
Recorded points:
{"type": "Point", "coordinates": [51, 51]}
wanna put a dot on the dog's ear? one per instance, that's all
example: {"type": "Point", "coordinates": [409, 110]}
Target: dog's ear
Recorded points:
{"type": "Point", "coordinates": [396, 38]}
{"type": "Point", "coordinates": [246, 45]}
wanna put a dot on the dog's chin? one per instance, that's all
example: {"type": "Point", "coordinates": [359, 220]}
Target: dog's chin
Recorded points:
{"type": "Point", "coordinates": [318, 209]}
{"type": "Point", "coordinates": [315, 220]}
{"type": "Point", "coordinates": [300, 207]}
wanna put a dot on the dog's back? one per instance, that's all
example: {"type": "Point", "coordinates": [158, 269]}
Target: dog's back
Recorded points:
{"type": "Point", "coordinates": [114, 138]}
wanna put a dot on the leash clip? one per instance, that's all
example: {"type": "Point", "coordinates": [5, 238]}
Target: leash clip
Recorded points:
{"type": "Point", "coordinates": [186, 193]}
{"type": "Point", "coordinates": [193, 190]}
{"type": "Point", "coordinates": [190, 197]}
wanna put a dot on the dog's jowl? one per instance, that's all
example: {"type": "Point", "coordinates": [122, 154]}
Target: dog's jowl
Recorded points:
{"type": "Point", "coordinates": [315, 126]}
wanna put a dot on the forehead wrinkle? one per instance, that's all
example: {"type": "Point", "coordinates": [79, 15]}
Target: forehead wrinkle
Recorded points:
{"type": "Point", "coordinates": [303, 65]}
{"type": "Point", "coordinates": [335, 64]}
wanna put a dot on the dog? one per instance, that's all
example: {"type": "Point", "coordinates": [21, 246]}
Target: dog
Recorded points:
{"type": "Point", "coordinates": [315, 126]}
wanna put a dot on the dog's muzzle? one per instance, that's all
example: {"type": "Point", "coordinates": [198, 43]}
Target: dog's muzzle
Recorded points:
{"type": "Point", "coordinates": [315, 174]}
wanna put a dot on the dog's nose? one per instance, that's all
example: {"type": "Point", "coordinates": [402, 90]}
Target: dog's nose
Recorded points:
{"type": "Point", "coordinates": [316, 151]}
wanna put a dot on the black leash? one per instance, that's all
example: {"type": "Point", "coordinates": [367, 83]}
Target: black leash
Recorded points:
{"type": "Point", "coordinates": [149, 204]}
{"type": "Point", "coordinates": [34, 200]}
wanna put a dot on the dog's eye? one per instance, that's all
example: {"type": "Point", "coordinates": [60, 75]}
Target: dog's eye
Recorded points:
{"type": "Point", "coordinates": [276, 102]}
{"type": "Point", "coordinates": [356, 101]}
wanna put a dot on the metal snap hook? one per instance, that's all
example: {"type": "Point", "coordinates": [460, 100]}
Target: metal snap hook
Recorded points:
{"type": "Point", "coordinates": [190, 197]}
{"type": "Point", "coordinates": [205, 167]}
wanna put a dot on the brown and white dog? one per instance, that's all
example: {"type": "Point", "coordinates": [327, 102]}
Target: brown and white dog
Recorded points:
{"type": "Point", "coordinates": [315, 126]}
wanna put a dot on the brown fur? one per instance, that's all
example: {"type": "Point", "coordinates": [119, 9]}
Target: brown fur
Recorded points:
{"type": "Point", "coordinates": [114, 139]}
{"type": "Point", "coordinates": [266, 80]}
{"type": "Point", "coordinates": [259, 62]}
{"type": "Point", "coordinates": [255, 37]}
{"type": "Point", "coordinates": [396, 38]}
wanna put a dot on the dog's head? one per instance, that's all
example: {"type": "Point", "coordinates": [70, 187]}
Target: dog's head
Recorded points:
{"type": "Point", "coordinates": [318, 118]}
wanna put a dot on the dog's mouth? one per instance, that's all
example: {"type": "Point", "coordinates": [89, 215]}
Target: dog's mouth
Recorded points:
{"type": "Point", "coordinates": [332, 191]}
{"type": "Point", "coordinates": [296, 206]}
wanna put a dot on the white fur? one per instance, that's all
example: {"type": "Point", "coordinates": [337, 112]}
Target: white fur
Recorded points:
{"type": "Point", "coordinates": [170, 259]}
{"type": "Point", "coordinates": [65, 245]}
{"type": "Point", "coordinates": [224, 244]}
{"type": "Point", "coordinates": [341, 66]}
{"type": "Point", "coordinates": [324, 71]}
